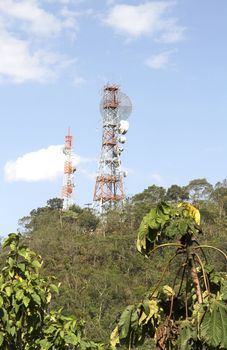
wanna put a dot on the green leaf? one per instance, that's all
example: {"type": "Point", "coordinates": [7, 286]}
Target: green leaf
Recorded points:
{"type": "Point", "coordinates": [12, 238]}
{"type": "Point", "coordinates": [19, 294]}
{"type": "Point", "coordinates": [8, 291]}
{"type": "Point", "coordinates": [54, 288]}
{"type": "Point", "coordinates": [26, 301]}
{"type": "Point", "coordinates": [45, 344]}
{"type": "Point", "coordinates": [36, 264]}
{"type": "Point", "coordinates": [214, 325]}
{"type": "Point", "coordinates": [10, 262]}
{"type": "Point", "coordinates": [71, 339]}
{"type": "Point", "coordinates": [224, 290]}
{"type": "Point", "coordinates": [147, 233]}
{"type": "Point", "coordinates": [21, 266]}
{"type": "Point", "coordinates": [187, 336]}
{"type": "Point", "coordinates": [48, 298]}
{"type": "Point", "coordinates": [25, 253]}
{"type": "Point", "coordinates": [12, 330]}
{"type": "Point", "coordinates": [151, 227]}
{"type": "Point", "coordinates": [125, 321]}
{"type": "Point", "coordinates": [36, 298]}
{"type": "Point", "coordinates": [1, 338]}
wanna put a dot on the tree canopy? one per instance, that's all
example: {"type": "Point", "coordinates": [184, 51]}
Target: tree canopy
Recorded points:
{"type": "Point", "coordinates": [26, 320]}
{"type": "Point", "coordinates": [95, 258]}
{"type": "Point", "coordinates": [191, 312]}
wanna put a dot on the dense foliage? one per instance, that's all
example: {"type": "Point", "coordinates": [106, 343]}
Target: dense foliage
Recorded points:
{"type": "Point", "coordinates": [191, 313]}
{"type": "Point", "coordinates": [26, 322]}
{"type": "Point", "coordinates": [95, 259]}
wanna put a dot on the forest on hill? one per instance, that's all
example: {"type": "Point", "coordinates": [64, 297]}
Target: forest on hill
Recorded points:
{"type": "Point", "coordinates": [95, 258]}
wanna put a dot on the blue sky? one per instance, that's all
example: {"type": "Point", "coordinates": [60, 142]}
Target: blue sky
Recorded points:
{"type": "Point", "coordinates": [170, 58]}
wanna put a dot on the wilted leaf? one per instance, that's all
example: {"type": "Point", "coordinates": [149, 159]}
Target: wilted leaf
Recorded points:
{"type": "Point", "coordinates": [150, 309]}
{"type": "Point", "coordinates": [168, 291]}
{"type": "Point", "coordinates": [114, 338]}
{"type": "Point", "coordinates": [191, 211]}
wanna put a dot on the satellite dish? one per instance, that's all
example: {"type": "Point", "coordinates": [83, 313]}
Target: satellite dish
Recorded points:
{"type": "Point", "coordinates": [65, 150]}
{"type": "Point", "coordinates": [115, 105]}
{"type": "Point", "coordinates": [122, 139]}
{"type": "Point", "coordinates": [124, 107]}
{"type": "Point", "coordinates": [123, 127]}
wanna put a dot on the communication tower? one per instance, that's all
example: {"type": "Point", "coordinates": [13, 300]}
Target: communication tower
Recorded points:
{"type": "Point", "coordinates": [69, 170]}
{"type": "Point", "coordinates": [115, 108]}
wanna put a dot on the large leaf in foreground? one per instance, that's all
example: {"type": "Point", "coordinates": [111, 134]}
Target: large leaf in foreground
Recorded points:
{"type": "Point", "coordinates": [214, 325]}
{"type": "Point", "coordinates": [187, 336]}
{"type": "Point", "coordinates": [150, 227]}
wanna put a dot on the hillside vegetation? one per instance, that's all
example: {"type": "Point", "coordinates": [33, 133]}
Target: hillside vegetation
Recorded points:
{"type": "Point", "coordinates": [95, 258]}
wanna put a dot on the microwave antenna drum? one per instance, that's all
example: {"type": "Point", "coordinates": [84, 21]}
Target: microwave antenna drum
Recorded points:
{"type": "Point", "coordinates": [123, 104]}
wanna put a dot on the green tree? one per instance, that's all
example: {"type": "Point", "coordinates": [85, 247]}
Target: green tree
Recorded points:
{"type": "Point", "coordinates": [219, 196]}
{"type": "Point", "coordinates": [199, 189]}
{"type": "Point", "coordinates": [141, 203]}
{"type": "Point", "coordinates": [88, 264]}
{"type": "Point", "coordinates": [176, 193]}
{"type": "Point", "coordinates": [152, 194]}
{"type": "Point", "coordinates": [55, 203]}
{"type": "Point", "coordinates": [191, 313]}
{"type": "Point", "coordinates": [26, 322]}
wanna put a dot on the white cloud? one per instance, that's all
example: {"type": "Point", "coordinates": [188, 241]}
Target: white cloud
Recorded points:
{"type": "Point", "coordinates": [31, 17]}
{"type": "Point", "coordinates": [27, 32]}
{"type": "Point", "coordinates": [150, 18]}
{"type": "Point", "coordinates": [19, 64]}
{"type": "Point", "coordinates": [46, 164]}
{"type": "Point", "coordinates": [159, 61]}
{"type": "Point", "coordinates": [43, 165]}
{"type": "Point", "coordinates": [172, 33]}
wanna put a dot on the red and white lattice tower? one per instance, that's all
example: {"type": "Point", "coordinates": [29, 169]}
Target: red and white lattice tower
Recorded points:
{"type": "Point", "coordinates": [115, 109]}
{"type": "Point", "coordinates": [69, 170]}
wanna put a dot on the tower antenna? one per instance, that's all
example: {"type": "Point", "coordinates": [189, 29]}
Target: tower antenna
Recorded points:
{"type": "Point", "coordinates": [69, 170]}
{"type": "Point", "coordinates": [115, 108]}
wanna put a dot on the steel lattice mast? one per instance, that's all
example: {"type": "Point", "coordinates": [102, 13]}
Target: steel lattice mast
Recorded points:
{"type": "Point", "coordinates": [68, 181]}
{"type": "Point", "coordinates": [109, 188]}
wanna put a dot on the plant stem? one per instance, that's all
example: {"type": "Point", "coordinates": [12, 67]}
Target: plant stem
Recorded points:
{"type": "Point", "coordinates": [211, 247]}
{"type": "Point", "coordinates": [195, 280]}
{"type": "Point", "coordinates": [194, 240]}
{"type": "Point", "coordinates": [203, 271]}
{"type": "Point", "coordinates": [186, 295]}
{"type": "Point", "coordinates": [163, 274]}
{"type": "Point", "coordinates": [182, 277]}
{"type": "Point", "coordinates": [167, 245]}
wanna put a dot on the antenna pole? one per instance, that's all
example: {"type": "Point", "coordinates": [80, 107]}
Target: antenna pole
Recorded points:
{"type": "Point", "coordinates": [109, 186]}
{"type": "Point", "coordinates": [69, 170]}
